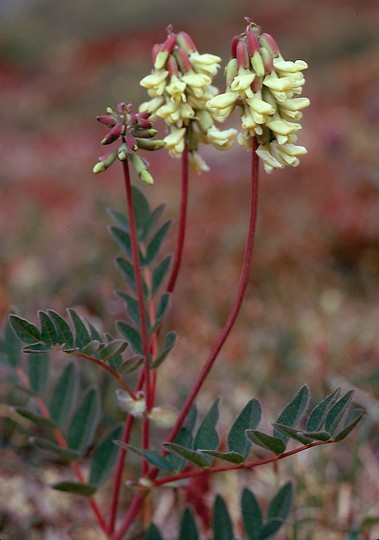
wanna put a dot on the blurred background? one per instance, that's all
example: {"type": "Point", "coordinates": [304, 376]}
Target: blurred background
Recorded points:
{"type": "Point", "coordinates": [312, 310]}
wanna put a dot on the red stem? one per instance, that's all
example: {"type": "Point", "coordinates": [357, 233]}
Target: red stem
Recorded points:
{"type": "Point", "coordinates": [142, 311]}
{"type": "Point", "coordinates": [244, 278]}
{"type": "Point", "coordinates": [182, 223]}
{"type": "Point", "coordinates": [138, 500]}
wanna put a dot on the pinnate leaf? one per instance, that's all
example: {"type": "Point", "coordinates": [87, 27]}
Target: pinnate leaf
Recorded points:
{"type": "Point", "coordinates": [155, 244]}
{"type": "Point", "coordinates": [131, 335]}
{"type": "Point", "coordinates": [170, 340]}
{"type": "Point", "coordinates": [159, 274]}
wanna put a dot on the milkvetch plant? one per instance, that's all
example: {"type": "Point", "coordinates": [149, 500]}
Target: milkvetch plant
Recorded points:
{"type": "Point", "coordinates": [266, 91]}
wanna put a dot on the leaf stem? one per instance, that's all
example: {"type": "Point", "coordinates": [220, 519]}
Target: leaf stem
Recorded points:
{"type": "Point", "coordinates": [244, 278]}
{"type": "Point", "coordinates": [194, 473]}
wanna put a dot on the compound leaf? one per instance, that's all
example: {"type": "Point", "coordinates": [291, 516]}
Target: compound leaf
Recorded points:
{"type": "Point", "coordinates": [156, 242]}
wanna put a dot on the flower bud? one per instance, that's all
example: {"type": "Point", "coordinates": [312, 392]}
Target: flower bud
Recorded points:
{"type": "Point", "coordinates": [149, 144]}
{"type": "Point", "coordinates": [135, 407]}
{"type": "Point", "coordinates": [184, 40]}
{"type": "Point", "coordinates": [144, 133]}
{"type": "Point", "coordinates": [106, 119]}
{"type": "Point", "coordinates": [269, 43]}
{"type": "Point", "coordinates": [172, 66]}
{"type": "Point", "coordinates": [140, 167]}
{"type": "Point", "coordinates": [104, 162]}
{"type": "Point", "coordinates": [257, 64]}
{"type": "Point", "coordinates": [164, 417]}
{"type": "Point", "coordinates": [183, 60]}
{"type": "Point", "coordinates": [242, 54]}
{"type": "Point", "coordinates": [122, 152]}
{"type": "Point", "coordinates": [252, 42]}
{"type": "Point", "coordinates": [231, 71]}
{"type": "Point", "coordinates": [233, 47]}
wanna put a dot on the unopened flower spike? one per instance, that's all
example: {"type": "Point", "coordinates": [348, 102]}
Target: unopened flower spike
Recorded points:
{"type": "Point", "coordinates": [179, 86]}
{"type": "Point", "coordinates": [266, 89]}
{"type": "Point", "coordinates": [132, 132]}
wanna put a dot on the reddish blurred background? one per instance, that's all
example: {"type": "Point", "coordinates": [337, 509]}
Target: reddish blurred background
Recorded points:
{"type": "Point", "coordinates": [313, 305]}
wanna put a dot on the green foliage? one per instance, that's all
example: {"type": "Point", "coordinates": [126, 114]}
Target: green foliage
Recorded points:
{"type": "Point", "coordinates": [222, 524]}
{"type": "Point", "coordinates": [84, 423]}
{"type": "Point", "coordinates": [104, 457]}
{"type": "Point", "coordinates": [188, 527]}
{"type": "Point", "coordinates": [86, 490]}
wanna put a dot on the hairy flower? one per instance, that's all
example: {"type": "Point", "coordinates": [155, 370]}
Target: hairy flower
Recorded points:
{"type": "Point", "coordinates": [266, 89]}
{"type": "Point", "coordinates": [180, 87]}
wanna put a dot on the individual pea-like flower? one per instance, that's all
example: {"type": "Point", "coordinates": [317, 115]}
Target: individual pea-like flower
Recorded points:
{"type": "Point", "coordinates": [179, 87]}
{"type": "Point", "coordinates": [133, 131]}
{"type": "Point", "coordinates": [267, 89]}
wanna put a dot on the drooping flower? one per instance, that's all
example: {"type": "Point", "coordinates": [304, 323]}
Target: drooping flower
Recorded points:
{"type": "Point", "coordinates": [179, 87]}
{"type": "Point", "coordinates": [266, 89]}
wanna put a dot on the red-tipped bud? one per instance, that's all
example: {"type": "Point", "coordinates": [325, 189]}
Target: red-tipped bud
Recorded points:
{"type": "Point", "coordinates": [185, 41]}
{"type": "Point", "coordinates": [169, 44]}
{"type": "Point", "coordinates": [143, 114]}
{"type": "Point", "coordinates": [106, 119]}
{"type": "Point", "coordinates": [144, 133]}
{"type": "Point", "coordinates": [134, 118]}
{"type": "Point", "coordinates": [116, 131]}
{"type": "Point", "coordinates": [233, 48]}
{"type": "Point", "coordinates": [155, 50]}
{"type": "Point", "coordinates": [252, 41]}
{"type": "Point", "coordinates": [123, 107]}
{"type": "Point", "coordinates": [269, 43]}
{"type": "Point", "coordinates": [183, 60]}
{"type": "Point", "coordinates": [172, 66]}
{"type": "Point", "coordinates": [242, 54]}
{"type": "Point", "coordinates": [267, 61]}
{"type": "Point", "coordinates": [148, 144]}
{"type": "Point", "coordinates": [132, 143]}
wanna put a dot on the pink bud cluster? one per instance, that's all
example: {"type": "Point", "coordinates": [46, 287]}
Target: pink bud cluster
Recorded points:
{"type": "Point", "coordinates": [135, 132]}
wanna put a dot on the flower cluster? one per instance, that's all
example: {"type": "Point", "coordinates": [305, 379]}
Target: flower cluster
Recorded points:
{"type": "Point", "coordinates": [179, 87]}
{"type": "Point", "coordinates": [134, 131]}
{"type": "Point", "coordinates": [267, 89]}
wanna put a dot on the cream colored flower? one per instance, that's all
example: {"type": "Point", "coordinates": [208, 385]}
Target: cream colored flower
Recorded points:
{"type": "Point", "coordinates": [175, 141]}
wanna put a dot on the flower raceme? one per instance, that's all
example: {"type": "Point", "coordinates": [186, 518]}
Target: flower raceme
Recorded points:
{"type": "Point", "coordinates": [267, 90]}
{"type": "Point", "coordinates": [180, 86]}
{"type": "Point", "coordinates": [135, 132]}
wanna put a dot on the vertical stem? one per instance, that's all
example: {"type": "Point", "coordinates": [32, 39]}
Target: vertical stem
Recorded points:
{"type": "Point", "coordinates": [244, 278]}
{"type": "Point", "coordinates": [182, 222]}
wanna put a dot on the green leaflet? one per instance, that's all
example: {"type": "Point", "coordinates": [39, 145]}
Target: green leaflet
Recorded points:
{"type": "Point", "coordinates": [64, 395]}
{"type": "Point", "coordinates": [153, 533]}
{"type": "Point", "coordinates": [53, 448]}
{"type": "Point", "coordinates": [318, 414]}
{"type": "Point", "coordinates": [86, 490]}
{"type": "Point", "coordinates": [64, 333]}
{"type": "Point", "coordinates": [10, 347]}
{"type": "Point", "coordinates": [169, 343]}
{"type": "Point", "coordinates": [82, 335]}
{"type": "Point", "coordinates": [188, 529]}
{"type": "Point", "coordinates": [26, 331]}
{"type": "Point", "coordinates": [49, 334]}
{"type": "Point", "coordinates": [39, 372]}
{"type": "Point", "coordinates": [249, 418]}
{"type": "Point", "coordinates": [160, 273]}
{"type": "Point", "coordinates": [231, 457]}
{"type": "Point", "coordinates": [189, 455]}
{"type": "Point", "coordinates": [153, 457]}
{"type": "Point", "coordinates": [266, 441]}
{"type": "Point", "coordinates": [36, 418]}
{"type": "Point", "coordinates": [155, 244]}
{"type": "Point", "coordinates": [251, 514]}
{"type": "Point", "coordinates": [207, 437]}
{"type": "Point", "coordinates": [293, 412]}
{"type": "Point", "coordinates": [131, 335]}
{"type": "Point", "coordinates": [281, 504]}
{"type": "Point", "coordinates": [104, 457]}
{"type": "Point", "coordinates": [222, 524]}
{"type": "Point", "coordinates": [84, 423]}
